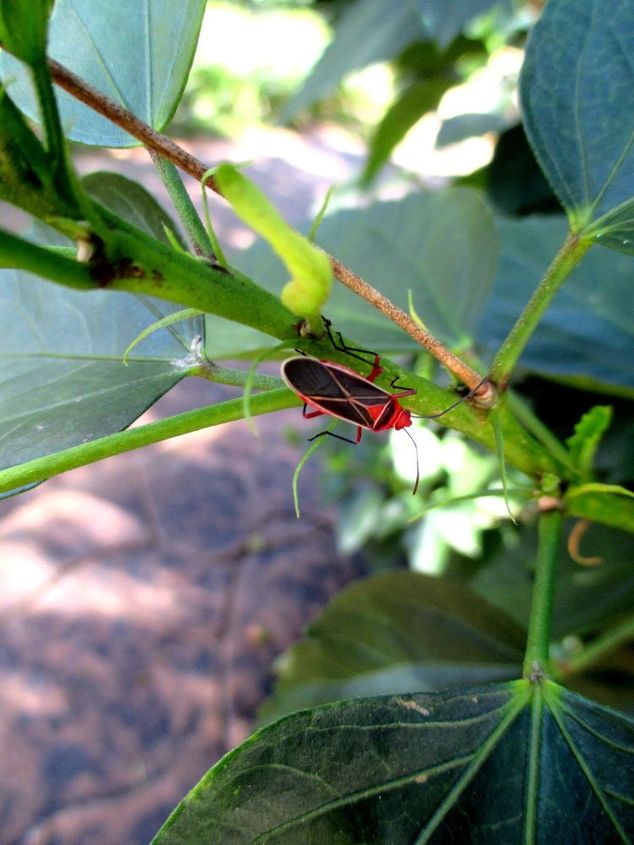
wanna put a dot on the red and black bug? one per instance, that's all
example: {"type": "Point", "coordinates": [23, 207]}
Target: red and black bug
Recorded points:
{"type": "Point", "coordinates": [336, 390]}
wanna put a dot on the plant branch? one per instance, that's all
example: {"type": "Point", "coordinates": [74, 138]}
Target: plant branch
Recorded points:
{"type": "Point", "coordinates": [537, 657]}
{"type": "Point", "coordinates": [40, 469]}
{"type": "Point", "coordinates": [562, 265]}
{"type": "Point", "coordinates": [483, 392]}
{"type": "Point", "coordinates": [50, 264]}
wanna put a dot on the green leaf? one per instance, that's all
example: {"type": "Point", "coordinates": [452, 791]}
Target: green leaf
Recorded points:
{"type": "Point", "coordinates": [586, 335]}
{"type": "Point", "coordinates": [137, 54]}
{"type": "Point", "coordinates": [364, 35]}
{"type": "Point", "coordinates": [393, 633]}
{"type": "Point", "coordinates": [411, 104]}
{"type": "Point", "coordinates": [311, 274]}
{"type": "Point", "coordinates": [23, 28]}
{"type": "Point", "coordinates": [606, 503]}
{"type": "Point", "coordinates": [584, 442]}
{"type": "Point", "coordinates": [63, 380]}
{"type": "Point", "coordinates": [453, 130]}
{"type": "Point", "coordinates": [511, 763]}
{"type": "Point", "coordinates": [444, 19]}
{"type": "Point", "coordinates": [577, 92]}
{"type": "Point", "coordinates": [132, 202]}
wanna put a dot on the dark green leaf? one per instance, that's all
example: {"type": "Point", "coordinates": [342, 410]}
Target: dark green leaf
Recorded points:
{"type": "Point", "coordinates": [515, 182]}
{"type": "Point", "coordinates": [394, 633]}
{"type": "Point", "coordinates": [367, 33]}
{"type": "Point", "coordinates": [137, 54]}
{"type": "Point", "coordinates": [588, 433]}
{"type": "Point", "coordinates": [511, 763]}
{"type": "Point", "coordinates": [586, 598]}
{"type": "Point", "coordinates": [405, 111]}
{"type": "Point", "coordinates": [577, 90]}
{"type": "Point", "coordinates": [586, 334]}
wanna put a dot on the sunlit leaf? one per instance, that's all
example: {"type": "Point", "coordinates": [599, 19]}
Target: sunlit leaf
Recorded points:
{"type": "Point", "coordinates": [577, 90]}
{"type": "Point", "coordinates": [138, 54]}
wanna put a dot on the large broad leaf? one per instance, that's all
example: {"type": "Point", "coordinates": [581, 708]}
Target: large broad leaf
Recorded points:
{"type": "Point", "coordinates": [368, 32]}
{"type": "Point", "coordinates": [511, 763]}
{"type": "Point", "coordinates": [63, 380]}
{"type": "Point", "coordinates": [138, 54]}
{"type": "Point", "coordinates": [397, 632]}
{"type": "Point", "coordinates": [442, 247]}
{"type": "Point", "coordinates": [586, 334]}
{"type": "Point", "coordinates": [577, 90]}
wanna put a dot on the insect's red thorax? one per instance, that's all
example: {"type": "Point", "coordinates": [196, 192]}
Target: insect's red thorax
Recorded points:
{"type": "Point", "coordinates": [390, 415]}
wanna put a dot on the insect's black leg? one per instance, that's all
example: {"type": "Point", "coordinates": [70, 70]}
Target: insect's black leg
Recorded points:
{"type": "Point", "coordinates": [394, 383]}
{"type": "Point", "coordinates": [332, 434]}
{"type": "Point", "coordinates": [455, 404]}
{"type": "Point", "coordinates": [340, 345]}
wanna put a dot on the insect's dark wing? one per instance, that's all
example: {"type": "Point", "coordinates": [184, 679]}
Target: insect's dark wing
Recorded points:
{"type": "Point", "coordinates": [334, 390]}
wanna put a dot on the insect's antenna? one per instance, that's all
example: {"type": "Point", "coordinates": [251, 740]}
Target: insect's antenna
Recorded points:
{"type": "Point", "coordinates": [417, 467]}
{"type": "Point", "coordinates": [454, 405]}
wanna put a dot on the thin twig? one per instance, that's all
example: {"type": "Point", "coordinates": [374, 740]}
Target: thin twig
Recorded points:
{"type": "Point", "coordinates": [484, 393]}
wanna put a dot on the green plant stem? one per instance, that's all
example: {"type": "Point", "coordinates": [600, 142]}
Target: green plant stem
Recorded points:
{"type": "Point", "coordinates": [40, 469]}
{"type": "Point", "coordinates": [64, 178]}
{"type": "Point", "coordinates": [611, 640]}
{"type": "Point", "coordinates": [183, 204]}
{"type": "Point", "coordinates": [562, 265]}
{"type": "Point", "coordinates": [19, 254]}
{"type": "Point", "coordinates": [537, 657]}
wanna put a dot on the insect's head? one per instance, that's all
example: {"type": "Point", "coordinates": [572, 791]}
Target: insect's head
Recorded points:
{"type": "Point", "coordinates": [403, 420]}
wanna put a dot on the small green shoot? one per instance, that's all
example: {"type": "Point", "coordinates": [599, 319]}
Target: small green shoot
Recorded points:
{"type": "Point", "coordinates": [314, 445]}
{"type": "Point", "coordinates": [248, 384]}
{"type": "Point", "coordinates": [312, 233]}
{"type": "Point", "coordinates": [215, 243]}
{"type": "Point", "coordinates": [412, 310]}
{"type": "Point", "coordinates": [499, 447]}
{"type": "Point", "coordinates": [177, 316]}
